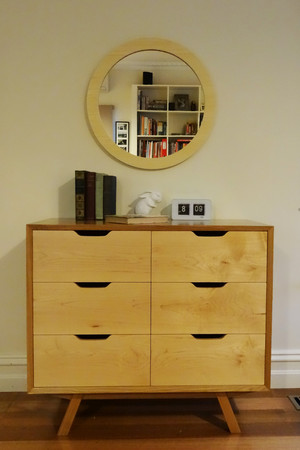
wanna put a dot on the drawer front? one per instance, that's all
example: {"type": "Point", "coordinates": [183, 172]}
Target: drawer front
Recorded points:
{"type": "Point", "coordinates": [237, 256]}
{"type": "Point", "coordinates": [69, 308]}
{"type": "Point", "coordinates": [230, 308]}
{"type": "Point", "coordinates": [184, 360]}
{"type": "Point", "coordinates": [66, 361]}
{"type": "Point", "coordinates": [69, 256]}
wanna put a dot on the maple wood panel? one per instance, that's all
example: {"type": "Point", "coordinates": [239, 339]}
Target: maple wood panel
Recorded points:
{"type": "Point", "coordinates": [234, 256]}
{"type": "Point", "coordinates": [232, 308]}
{"type": "Point", "coordinates": [145, 299]}
{"type": "Point", "coordinates": [68, 256]}
{"type": "Point", "coordinates": [119, 360]}
{"type": "Point", "coordinates": [185, 360]}
{"type": "Point", "coordinates": [66, 308]}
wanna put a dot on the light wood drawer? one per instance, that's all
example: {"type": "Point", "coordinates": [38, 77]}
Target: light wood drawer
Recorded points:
{"type": "Point", "coordinates": [199, 256]}
{"type": "Point", "coordinates": [121, 360]}
{"type": "Point", "coordinates": [69, 256]}
{"type": "Point", "coordinates": [180, 308]}
{"type": "Point", "coordinates": [97, 308]}
{"type": "Point", "coordinates": [185, 360]}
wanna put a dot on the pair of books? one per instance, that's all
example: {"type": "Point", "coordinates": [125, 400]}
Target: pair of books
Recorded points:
{"type": "Point", "coordinates": [191, 128]}
{"type": "Point", "coordinates": [95, 195]}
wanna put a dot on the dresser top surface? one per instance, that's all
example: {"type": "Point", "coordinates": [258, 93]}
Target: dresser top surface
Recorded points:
{"type": "Point", "coordinates": [209, 225]}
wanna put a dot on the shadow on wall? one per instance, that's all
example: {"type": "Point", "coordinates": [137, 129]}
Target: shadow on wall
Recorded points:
{"type": "Point", "coordinates": [66, 199]}
{"type": "Point", "coordinates": [13, 301]}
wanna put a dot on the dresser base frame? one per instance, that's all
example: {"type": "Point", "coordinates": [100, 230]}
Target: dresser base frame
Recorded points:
{"type": "Point", "coordinates": [75, 400]}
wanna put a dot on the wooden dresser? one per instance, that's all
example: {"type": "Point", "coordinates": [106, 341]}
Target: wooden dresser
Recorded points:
{"type": "Point", "coordinates": [148, 310]}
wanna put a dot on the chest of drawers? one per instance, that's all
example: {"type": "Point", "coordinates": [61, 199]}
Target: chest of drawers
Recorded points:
{"type": "Point", "coordinates": [148, 309]}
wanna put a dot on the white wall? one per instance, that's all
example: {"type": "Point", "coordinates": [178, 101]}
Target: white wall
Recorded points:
{"type": "Point", "coordinates": [249, 167]}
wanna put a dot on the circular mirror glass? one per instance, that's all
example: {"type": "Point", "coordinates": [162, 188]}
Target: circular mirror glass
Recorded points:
{"type": "Point", "coordinates": [150, 104]}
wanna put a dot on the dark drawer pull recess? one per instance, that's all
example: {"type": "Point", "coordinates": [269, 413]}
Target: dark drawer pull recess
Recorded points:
{"type": "Point", "coordinates": [208, 336]}
{"type": "Point", "coordinates": [92, 232]}
{"type": "Point", "coordinates": [209, 285]}
{"type": "Point", "coordinates": [210, 233]}
{"type": "Point", "coordinates": [95, 337]}
{"type": "Point", "coordinates": [92, 284]}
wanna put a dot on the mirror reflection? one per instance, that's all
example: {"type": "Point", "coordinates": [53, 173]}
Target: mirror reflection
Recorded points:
{"type": "Point", "coordinates": [151, 104]}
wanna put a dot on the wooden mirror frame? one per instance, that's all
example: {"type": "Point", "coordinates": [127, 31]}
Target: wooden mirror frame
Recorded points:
{"type": "Point", "coordinates": [97, 125]}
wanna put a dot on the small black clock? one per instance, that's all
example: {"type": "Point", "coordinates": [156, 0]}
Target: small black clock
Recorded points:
{"type": "Point", "coordinates": [191, 209]}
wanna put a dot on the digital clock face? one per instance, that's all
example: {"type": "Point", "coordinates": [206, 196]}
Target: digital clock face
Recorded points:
{"type": "Point", "coordinates": [191, 209]}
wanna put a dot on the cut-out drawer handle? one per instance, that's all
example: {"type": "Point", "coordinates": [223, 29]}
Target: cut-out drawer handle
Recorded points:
{"type": "Point", "coordinates": [92, 232]}
{"type": "Point", "coordinates": [95, 337]}
{"type": "Point", "coordinates": [210, 233]}
{"type": "Point", "coordinates": [208, 336]}
{"type": "Point", "coordinates": [209, 285]}
{"type": "Point", "coordinates": [92, 284]}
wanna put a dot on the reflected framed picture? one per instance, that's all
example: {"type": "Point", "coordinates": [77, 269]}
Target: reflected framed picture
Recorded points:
{"type": "Point", "coordinates": [122, 134]}
{"type": "Point", "coordinates": [181, 102]}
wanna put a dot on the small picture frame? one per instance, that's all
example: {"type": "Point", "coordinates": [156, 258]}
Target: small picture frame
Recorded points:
{"type": "Point", "coordinates": [181, 102]}
{"type": "Point", "coordinates": [122, 134]}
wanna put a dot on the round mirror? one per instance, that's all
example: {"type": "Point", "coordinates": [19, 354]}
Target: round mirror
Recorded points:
{"type": "Point", "coordinates": [150, 104]}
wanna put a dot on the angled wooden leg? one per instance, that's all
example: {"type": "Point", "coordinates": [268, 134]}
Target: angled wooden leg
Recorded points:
{"type": "Point", "coordinates": [69, 415]}
{"type": "Point", "coordinates": [228, 413]}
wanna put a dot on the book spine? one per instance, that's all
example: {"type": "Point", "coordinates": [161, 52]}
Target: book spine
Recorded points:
{"type": "Point", "coordinates": [164, 147]}
{"type": "Point", "coordinates": [90, 180]}
{"type": "Point", "coordinates": [79, 194]}
{"type": "Point", "coordinates": [99, 196]}
{"type": "Point", "coordinates": [109, 195]}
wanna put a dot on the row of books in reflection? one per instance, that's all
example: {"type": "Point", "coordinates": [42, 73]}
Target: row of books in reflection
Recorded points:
{"type": "Point", "coordinates": [149, 148]}
{"type": "Point", "coordinates": [95, 195]}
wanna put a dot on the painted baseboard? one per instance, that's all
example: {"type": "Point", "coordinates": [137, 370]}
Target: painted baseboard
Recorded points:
{"type": "Point", "coordinates": [13, 374]}
{"type": "Point", "coordinates": [285, 371]}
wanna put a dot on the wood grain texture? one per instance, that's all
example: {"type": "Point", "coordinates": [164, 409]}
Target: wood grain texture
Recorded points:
{"type": "Point", "coordinates": [66, 256]}
{"type": "Point", "coordinates": [228, 414]}
{"type": "Point", "coordinates": [185, 360]}
{"type": "Point", "coordinates": [267, 421]}
{"type": "Point", "coordinates": [65, 360]}
{"type": "Point", "coordinates": [58, 223]}
{"type": "Point", "coordinates": [270, 255]}
{"type": "Point", "coordinates": [29, 306]}
{"type": "Point", "coordinates": [179, 308]}
{"type": "Point", "coordinates": [148, 391]}
{"type": "Point", "coordinates": [121, 364]}
{"type": "Point", "coordinates": [234, 257]}
{"type": "Point", "coordinates": [119, 308]}
{"type": "Point", "coordinates": [70, 414]}
{"type": "Point", "coordinates": [75, 401]}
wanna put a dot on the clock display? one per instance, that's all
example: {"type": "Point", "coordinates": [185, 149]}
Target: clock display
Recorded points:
{"type": "Point", "coordinates": [191, 209]}
{"type": "Point", "coordinates": [184, 209]}
{"type": "Point", "coordinates": [199, 209]}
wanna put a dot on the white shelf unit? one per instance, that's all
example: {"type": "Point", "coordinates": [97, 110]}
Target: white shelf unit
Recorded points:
{"type": "Point", "coordinates": [153, 105]}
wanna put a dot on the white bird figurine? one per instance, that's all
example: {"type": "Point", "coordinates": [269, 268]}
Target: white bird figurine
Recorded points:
{"type": "Point", "coordinates": [146, 202]}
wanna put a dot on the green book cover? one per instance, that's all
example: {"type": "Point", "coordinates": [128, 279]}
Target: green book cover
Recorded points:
{"type": "Point", "coordinates": [99, 196]}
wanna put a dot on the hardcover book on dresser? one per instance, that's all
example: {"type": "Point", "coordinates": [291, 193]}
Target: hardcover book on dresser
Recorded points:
{"type": "Point", "coordinates": [168, 309]}
{"type": "Point", "coordinates": [95, 195]}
